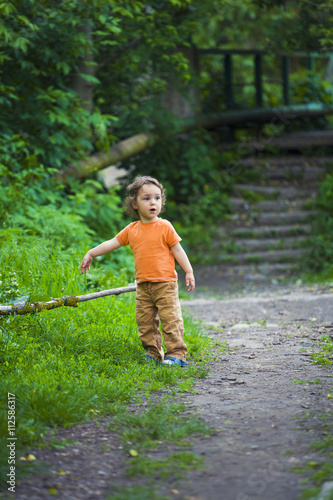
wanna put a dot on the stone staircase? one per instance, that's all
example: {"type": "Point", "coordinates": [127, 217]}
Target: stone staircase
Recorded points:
{"type": "Point", "coordinates": [266, 236]}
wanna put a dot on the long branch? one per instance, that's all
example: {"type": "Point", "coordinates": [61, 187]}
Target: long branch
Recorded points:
{"type": "Point", "coordinates": [67, 300]}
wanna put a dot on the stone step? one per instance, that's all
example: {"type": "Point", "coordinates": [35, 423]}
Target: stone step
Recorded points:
{"type": "Point", "coordinates": [289, 255]}
{"type": "Point", "coordinates": [274, 192]}
{"type": "Point", "coordinates": [267, 231]}
{"type": "Point", "coordinates": [298, 216]}
{"type": "Point", "coordinates": [272, 218]}
{"type": "Point", "coordinates": [270, 224]}
{"type": "Point", "coordinates": [282, 205]}
{"type": "Point", "coordinates": [295, 172]}
{"type": "Point", "coordinates": [215, 274]}
{"type": "Point", "coordinates": [270, 205]}
{"type": "Point", "coordinates": [259, 244]}
{"type": "Point", "coordinates": [287, 162]}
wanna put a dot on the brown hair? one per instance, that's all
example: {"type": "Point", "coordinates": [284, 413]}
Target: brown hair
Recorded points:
{"type": "Point", "coordinates": [133, 191]}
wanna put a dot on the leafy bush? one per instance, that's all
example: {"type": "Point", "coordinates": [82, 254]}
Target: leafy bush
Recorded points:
{"type": "Point", "coordinates": [183, 164]}
{"type": "Point", "coordinates": [320, 259]}
{"type": "Point", "coordinates": [197, 222]}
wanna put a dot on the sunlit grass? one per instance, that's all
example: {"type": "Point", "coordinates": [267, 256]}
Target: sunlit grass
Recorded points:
{"type": "Point", "coordinates": [70, 364]}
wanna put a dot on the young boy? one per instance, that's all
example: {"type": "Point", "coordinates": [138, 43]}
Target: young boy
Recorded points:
{"type": "Point", "coordinates": [155, 246]}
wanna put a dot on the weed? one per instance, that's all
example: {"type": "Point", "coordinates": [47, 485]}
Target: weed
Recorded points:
{"type": "Point", "coordinates": [287, 453]}
{"type": "Point", "coordinates": [161, 422]}
{"type": "Point", "coordinates": [317, 381]}
{"type": "Point", "coordinates": [325, 356]}
{"type": "Point", "coordinates": [175, 465]}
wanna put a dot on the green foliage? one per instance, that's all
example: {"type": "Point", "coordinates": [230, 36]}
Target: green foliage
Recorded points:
{"type": "Point", "coordinates": [321, 256]}
{"type": "Point", "coordinates": [325, 196]}
{"type": "Point", "coordinates": [45, 85]}
{"type": "Point", "coordinates": [194, 154]}
{"type": "Point", "coordinates": [310, 87]}
{"type": "Point", "coordinates": [36, 205]}
{"type": "Point", "coordinates": [325, 356]}
{"type": "Point", "coordinates": [198, 220]}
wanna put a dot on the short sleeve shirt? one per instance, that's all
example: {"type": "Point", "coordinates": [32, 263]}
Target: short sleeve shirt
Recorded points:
{"type": "Point", "coordinates": [151, 244]}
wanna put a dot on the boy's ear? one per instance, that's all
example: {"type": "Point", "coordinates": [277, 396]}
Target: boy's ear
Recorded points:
{"type": "Point", "coordinates": [134, 204]}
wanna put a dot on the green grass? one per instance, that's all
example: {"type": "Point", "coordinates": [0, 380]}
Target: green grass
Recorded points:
{"type": "Point", "coordinates": [325, 356]}
{"type": "Point", "coordinates": [165, 421]}
{"type": "Point", "coordinates": [138, 492]}
{"type": "Point", "coordinates": [157, 430]}
{"type": "Point", "coordinates": [321, 470]}
{"type": "Point", "coordinates": [70, 364]}
{"type": "Point", "coordinates": [174, 466]}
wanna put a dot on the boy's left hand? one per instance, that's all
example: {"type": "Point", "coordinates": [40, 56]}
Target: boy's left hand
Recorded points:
{"type": "Point", "coordinates": [190, 281]}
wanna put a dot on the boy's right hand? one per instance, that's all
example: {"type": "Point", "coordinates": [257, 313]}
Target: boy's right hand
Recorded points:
{"type": "Point", "coordinates": [85, 264]}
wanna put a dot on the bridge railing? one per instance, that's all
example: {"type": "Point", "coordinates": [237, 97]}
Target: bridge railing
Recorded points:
{"type": "Point", "coordinates": [258, 55]}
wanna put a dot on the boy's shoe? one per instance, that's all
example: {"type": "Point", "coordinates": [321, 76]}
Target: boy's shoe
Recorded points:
{"type": "Point", "coordinates": [149, 357]}
{"type": "Point", "coordinates": [171, 361]}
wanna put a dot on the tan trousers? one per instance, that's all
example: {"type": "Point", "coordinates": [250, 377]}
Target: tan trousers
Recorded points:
{"type": "Point", "coordinates": [159, 303]}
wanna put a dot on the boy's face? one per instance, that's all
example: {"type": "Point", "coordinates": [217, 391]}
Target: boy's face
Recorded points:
{"type": "Point", "coordinates": [148, 202]}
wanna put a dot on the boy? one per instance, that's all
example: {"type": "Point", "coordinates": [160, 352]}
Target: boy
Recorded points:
{"type": "Point", "coordinates": [155, 245]}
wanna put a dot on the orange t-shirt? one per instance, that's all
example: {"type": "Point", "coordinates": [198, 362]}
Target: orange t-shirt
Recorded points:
{"type": "Point", "coordinates": [150, 243]}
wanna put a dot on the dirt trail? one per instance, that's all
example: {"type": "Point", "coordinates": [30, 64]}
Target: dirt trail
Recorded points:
{"type": "Point", "coordinates": [264, 421]}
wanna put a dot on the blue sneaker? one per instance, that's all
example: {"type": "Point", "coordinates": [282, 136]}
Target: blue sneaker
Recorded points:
{"type": "Point", "coordinates": [171, 361]}
{"type": "Point", "coordinates": [148, 357]}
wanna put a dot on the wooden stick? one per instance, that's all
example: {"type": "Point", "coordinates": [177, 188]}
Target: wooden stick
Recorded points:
{"type": "Point", "coordinates": [67, 300]}
{"type": "Point", "coordinates": [105, 293]}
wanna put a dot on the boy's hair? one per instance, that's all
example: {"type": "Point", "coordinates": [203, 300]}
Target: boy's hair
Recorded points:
{"type": "Point", "coordinates": [133, 191]}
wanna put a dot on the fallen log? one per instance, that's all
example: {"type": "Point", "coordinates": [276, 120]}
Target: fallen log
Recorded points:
{"type": "Point", "coordinates": [66, 300]}
{"type": "Point", "coordinates": [138, 143]}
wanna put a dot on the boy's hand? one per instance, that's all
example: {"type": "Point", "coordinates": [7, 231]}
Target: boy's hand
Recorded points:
{"type": "Point", "coordinates": [190, 281]}
{"type": "Point", "coordinates": [85, 264]}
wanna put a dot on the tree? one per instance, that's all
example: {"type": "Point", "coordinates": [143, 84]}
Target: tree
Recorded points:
{"type": "Point", "coordinates": [77, 76]}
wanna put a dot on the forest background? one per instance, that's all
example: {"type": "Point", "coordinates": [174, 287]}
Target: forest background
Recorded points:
{"type": "Point", "coordinates": [78, 77]}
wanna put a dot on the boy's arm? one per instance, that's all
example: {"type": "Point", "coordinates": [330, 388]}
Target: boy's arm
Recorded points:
{"type": "Point", "coordinates": [102, 249]}
{"type": "Point", "coordinates": [182, 259]}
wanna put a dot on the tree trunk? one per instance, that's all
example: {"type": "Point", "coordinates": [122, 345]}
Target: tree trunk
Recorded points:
{"type": "Point", "coordinates": [83, 87]}
{"type": "Point", "coordinates": [184, 100]}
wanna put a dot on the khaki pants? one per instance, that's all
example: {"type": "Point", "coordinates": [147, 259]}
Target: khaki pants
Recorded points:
{"type": "Point", "coordinates": [155, 303]}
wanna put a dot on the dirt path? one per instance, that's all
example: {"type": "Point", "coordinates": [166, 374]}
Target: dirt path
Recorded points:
{"type": "Point", "coordinates": [264, 421]}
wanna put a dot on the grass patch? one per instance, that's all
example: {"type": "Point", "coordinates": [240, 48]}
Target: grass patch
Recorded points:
{"type": "Point", "coordinates": [164, 421]}
{"type": "Point", "coordinates": [322, 470]}
{"type": "Point", "coordinates": [174, 466]}
{"type": "Point", "coordinates": [155, 430]}
{"type": "Point", "coordinates": [325, 356]}
{"type": "Point", "coordinates": [139, 492]}
{"type": "Point", "coordinates": [68, 365]}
